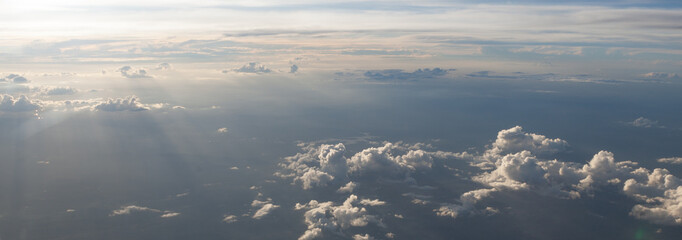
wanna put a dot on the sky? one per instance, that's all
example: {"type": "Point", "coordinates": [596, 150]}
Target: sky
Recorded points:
{"type": "Point", "coordinates": [340, 119]}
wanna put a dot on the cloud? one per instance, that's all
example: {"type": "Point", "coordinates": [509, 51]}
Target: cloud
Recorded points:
{"type": "Point", "coordinates": [14, 78]}
{"type": "Point", "coordinates": [515, 139]}
{"type": "Point", "coordinates": [400, 75]}
{"type": "Point", "coordinates": [163, 66]}
{"type": "Point", "coordinates": [348, 188]}
{"type": "Point", "coordinates": [126, 210]}
{"type": "Point", "coordinates": [363, 237]}
{"type": "Point", "coordinates": [229, 218]}
{"type": "Point", "coordinates": [129, 72]}
{"type": "Point", "coordinates": [170, 215]}
{"type": "Point", "coordinates": [52, 91]}
{"type": "Point", "coordinates": [222, 130]}
{"type": "Point", "coordinates": [253, 67]}
{"type": "Point", "coordinates": [326, 163]}
{"type": "Point", "coordinates": [372, 202]}
{"type": "Point", "coordinates": [294, 68]}
{"type": "Point", "coordinates": [550, 50]}
{"type": "Point", "coordinates": [467, 203]}
{"type": "Point", "coordinates": [326, 216]}
{"type": "Point", "coordinates": [21, 104]}
{"type": "Point", "coordinates": [264, 208]}
{"type": "Point", "coordinates": [644, 123]}
{"type": "Point", "coordinates": [671, 160]}
{"type": "Point", "coordinates": [661, 76]}
{"type": "Point", "coordinates": [515, 161]}
{"type": "Point", "coordinates": [516, 168]}
{"type": "Point", "coordinates": [130, 103]}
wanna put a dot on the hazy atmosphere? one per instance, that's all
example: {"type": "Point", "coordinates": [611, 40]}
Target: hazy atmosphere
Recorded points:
{"type": "Point", "coordinates": [342, 119]}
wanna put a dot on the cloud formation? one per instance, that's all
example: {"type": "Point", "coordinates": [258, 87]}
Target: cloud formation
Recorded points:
{"type": "Point", "coordinates": [400, 75]}
{"type": "Point", "coordinates": [53, 91]}
{"type": "Point", "coordinates": [518, 168]}
{"type": "Point", "coordinates": [661, 76]}
{"type": "Point", "coordinates": [253, 67]}
{"type": "Point", "coordinates": [326, 216]}
{"type": "Point", "coordinates": [264, 208]}
{"type": "Point", "coordinates": [129, 72]}
{"type": "Point", "coordinates": [14, 78]}
{"type": "Point", "coordinates": [21, 104]}
{"type": "Point", "coordinates": [126, 210]}
{"type": "Point", "coordinates": [671, 160]}
{"type": "Point", "coordinates": [326, 163]}
{"type": "Point", "coordinates": [644, 123]}
{"type": "Point", "coordinates": [129, 103]}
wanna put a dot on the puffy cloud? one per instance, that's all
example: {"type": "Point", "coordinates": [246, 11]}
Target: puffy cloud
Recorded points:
{"type": "Point", "coordinates": [313, 178]}
{"type": "Point", "coordinates": [327, 216]}
{"type": "Point", "coordinates": [662, 194]}
{"type": "Point", "coordinates": [515, 140]}
{"type": "Point", "coordinates": [468, 201]}
{"type": "Point", "coordinates": [264, 208]}
{"type": "Point", "coordinates": [14, 78]}
{"type": "Point", "coordinates": [222, 130]}
{"type": "Point", "coordinates": [253, 67]}
{"type": "Point", "coordinates": [129, 72]}
{"type": "Point", "coordinates": [400, 75]}
{"type": "Point", "coordinates": [21, 104]}
{"type": "Point", "coordinates": [130, 103]}
{"type": "Point", "coordinates": [659, 191]}
{"type": "Point", "coordinates": [348, 188]}
{"type": "Point", "coordinates": [391, 159]}
{"type": "Point", "coordinates": [320, 165]}
{"type": "Point", "coordinates": [671, 160]}
{"type": "Point", "coordinates": [643, 122]}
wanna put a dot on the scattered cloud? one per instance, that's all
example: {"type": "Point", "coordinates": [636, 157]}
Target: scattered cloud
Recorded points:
{"type": "Point", "coordinates": [644, 123]}
{"type": "Point", "coordinates": [14, 78]}
{"type": "Point", "coordinates": [21, 104]}
{"type": "Point", "coordinates": [400, 75]}
{"type": "Point", "coordinates": [518, 169]}
{"type": "Point", "coordinates": [129, 72]}
{"type": "Point", "coordinates": [170, 215]}
{"type": "Point", "coordinates": [363, 237]}
{"type": "Point", "coordinates": [126, 210]}
{"type": "Point", "coordinates": [372, 202]}
{"type": "Point", "coordinates": [52, 91]}
{"type": "Point", "coordinates": [326, 216]}
{"type": "Point", "coordinates": [348, 188]}
{"type": "Point", "coordinates": [130, 103]}
{"type": "Point", "coordinates": [164, 66]}
{"type": "Point", "coordinates": [253, 67]}
{"type": "Point", "coordinates": [549, 50]}
{"type": "Point", "coordinates": [671, 160]}
{"type": "Point", "coordinates": [264, 208]}
{"type": "Point", "coordinates": [222, 130]}
{"type": "Point", "coordinates": [661, 76]}
{"type": "Point", "coordinates": [229, 218]}
{"type": "Point", "coordinates": [327, 163]}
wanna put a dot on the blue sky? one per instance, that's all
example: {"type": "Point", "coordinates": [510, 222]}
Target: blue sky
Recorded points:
{"type": "Point", "coordinates": [340, 120]}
